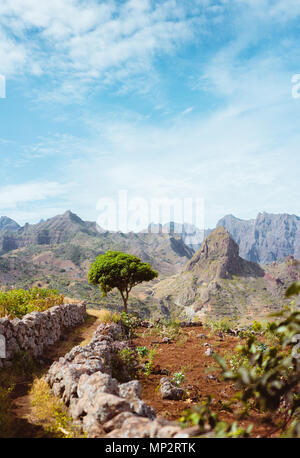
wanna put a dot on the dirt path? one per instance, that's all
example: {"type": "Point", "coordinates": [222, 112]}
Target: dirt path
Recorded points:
{"type": "Point", "coordinates": [22, 420]}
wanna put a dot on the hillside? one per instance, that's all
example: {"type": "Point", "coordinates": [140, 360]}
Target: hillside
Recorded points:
{"type": "Point", "coordinates": [218, 282]}
{"type": "Point", "coordinates": [57, 254]}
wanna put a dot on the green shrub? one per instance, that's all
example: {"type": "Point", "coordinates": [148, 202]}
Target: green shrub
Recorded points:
{"type": "Point", "coordinates": [178, 378]}
{"type": "Point", "coordinates": [124, 365]}
{"type": "Point", "coordinates": [142, 351]}
{"type": "Point", "coordinates": [150, 363]}
{"type": "Point", "coordinates": [257, 326]}
{"type": "Point", "coordinates": [223, 325]}
{"type": "Point", "coordinates": [18, 302]}
{"type": "Point", "coordinates": [208, 422]}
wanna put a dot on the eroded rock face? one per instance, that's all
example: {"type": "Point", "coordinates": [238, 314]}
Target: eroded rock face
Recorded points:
{"type": "Point", "coordinates": [97, 402]}
{"type": "Point", "coordinates": [266, 239]}
{"type": "Point", "coordinates": [218, 257]}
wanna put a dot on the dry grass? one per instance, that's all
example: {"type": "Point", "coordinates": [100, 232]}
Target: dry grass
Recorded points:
{"type": "Point", "coordinates": [99, 316]}
{"type": "Point", "coordinates": [105, 316]}
{"type": "Point", "coordinates": [71, 300]}
{"type": "Point", "coordinates": [49, 412]}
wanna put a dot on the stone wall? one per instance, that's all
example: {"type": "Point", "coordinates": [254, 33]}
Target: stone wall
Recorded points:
{"type": "Point", "coordinates": [38, 330]}
{"type": "Point", "coordinates": [98, 403]}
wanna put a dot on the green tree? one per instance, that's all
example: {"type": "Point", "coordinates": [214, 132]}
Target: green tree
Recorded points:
{"type": "Point", "coordinates": [115, 269]}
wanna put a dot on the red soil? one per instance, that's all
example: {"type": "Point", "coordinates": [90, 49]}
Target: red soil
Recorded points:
{"type": "Point", "coordinates": [187, 354]}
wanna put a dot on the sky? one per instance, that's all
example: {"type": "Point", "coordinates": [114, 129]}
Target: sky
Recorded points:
{"type": "Point", "coordinates": [169, 99]}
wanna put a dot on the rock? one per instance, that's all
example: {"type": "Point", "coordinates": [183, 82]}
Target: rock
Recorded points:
{"type": "Point", "coordinates": [209, 352]}
{"type": "Point", "coordinates": [106, 406]}
{"type": "Point", "coordinates": [169, 390]}
{"type": "Point", "coordinates": [212, 377]}
{"type": "Point", "coordinates": [117, 422]}
{"type": "Point", "coordinates": [221, 335]}
{"type": "Point", "coordinates": [218, 258]}
{"type": "Point", "coordinates": [36, 330]}
{"type": "Point", "coordinates": [166, 340]}
{"type": "Point", "coordinates": [164, 372]}
{"type": "Point", "coordinates": [136, 427]}
{"type": "Point", "coordinates": [169, 431]}
{"type": "Point", "coordinates": [93, 428]}
{"type": "Point", "coordinates": [98, 403]}
{"type": "Point", "coordinates": [130, 390]}
{"type": "Point", "coordinates": [90, 385]}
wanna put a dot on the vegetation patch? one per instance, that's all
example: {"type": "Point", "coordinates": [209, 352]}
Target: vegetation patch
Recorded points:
{"type": "Point", "coordinates": [50, 412]}
{"type": "Point", "coordinates": [18, 302]}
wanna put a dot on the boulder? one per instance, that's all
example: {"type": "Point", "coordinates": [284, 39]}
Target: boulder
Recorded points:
{"type": "Point", "coordinates": [169, 390]}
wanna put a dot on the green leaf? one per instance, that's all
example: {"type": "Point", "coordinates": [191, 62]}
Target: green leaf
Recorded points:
{"type": "Point", "coordinates": [293, 289]}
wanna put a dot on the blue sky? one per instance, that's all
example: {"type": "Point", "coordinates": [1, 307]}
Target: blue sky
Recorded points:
{"type": "Point", "coordinates": [186, 98]}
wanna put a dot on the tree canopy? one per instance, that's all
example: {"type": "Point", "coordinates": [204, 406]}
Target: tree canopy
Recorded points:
{"type": "Point", "coordinates": [115, 269]}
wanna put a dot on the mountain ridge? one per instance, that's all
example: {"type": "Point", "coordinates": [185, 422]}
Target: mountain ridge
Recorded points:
{"type": "Point", "coordinates": [267, 238]}
{"type": "Point", "coordinates": [218, 282]}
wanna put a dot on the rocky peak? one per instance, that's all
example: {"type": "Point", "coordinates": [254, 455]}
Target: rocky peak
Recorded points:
{"type": "Point", "coordinates": [8, 224]}
{"type": "Point", "coordinates": [218, 257]}
{"type": "Point", "coordinates": [68, 215]}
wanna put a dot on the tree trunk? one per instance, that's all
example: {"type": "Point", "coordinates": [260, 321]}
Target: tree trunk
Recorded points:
{"type": "Point", "coordinates": [125, 305]}
{"type": "Point", "coordinates": [125, 299]}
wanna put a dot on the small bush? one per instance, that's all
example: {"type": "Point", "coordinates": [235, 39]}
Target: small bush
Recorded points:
{"type": "Point", "coordinates": [124, 365]}
{"type": "Point", "coordinates": [223, 325]}
{"type": "Point", "coordinates": [257, 326]}
{"type": "Point", "coordinates": [150, 363]}
{"type": "Point", "coordinates": [208, 422]}
{"type": "Point", "coordinates": [142, 351]}
{"type": "Point", "coordinates": [178, 378]}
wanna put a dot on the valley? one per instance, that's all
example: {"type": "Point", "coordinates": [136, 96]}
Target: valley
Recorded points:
{"type": "Point", "coordinates": [216, 279]}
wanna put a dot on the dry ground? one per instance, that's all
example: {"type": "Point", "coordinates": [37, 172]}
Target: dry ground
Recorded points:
{"type": "Point", "coordinates": [186, 354]}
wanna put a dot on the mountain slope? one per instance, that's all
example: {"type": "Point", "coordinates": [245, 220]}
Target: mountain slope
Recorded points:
{"type": "Point", "coordinates": [218, 282]}
{"type": "Point", "coordinates": [8, 224]}
{"type": "Point", "coordinates": [57, 253]}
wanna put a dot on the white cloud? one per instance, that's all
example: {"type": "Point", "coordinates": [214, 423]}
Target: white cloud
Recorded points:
{"type": "Point", "coordinates": [12, 195]}
{"type": "Point", "coordinates": [78, 43]}
{"type": "Point", "coordinates": [187, 111]}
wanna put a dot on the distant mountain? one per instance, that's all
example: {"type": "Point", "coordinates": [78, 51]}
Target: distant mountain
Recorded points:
{"type": "Point", "coordinates": [8, 224]}
{"type": "Point", "coordinates": [267, 238]}
{"type": "Point", "coordinates": [217, 282]}
{"type": "Point", "coordinates": [57, 253]}
{"type": "Point", "coordinates": [190, 234]}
